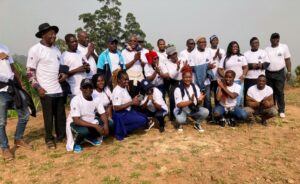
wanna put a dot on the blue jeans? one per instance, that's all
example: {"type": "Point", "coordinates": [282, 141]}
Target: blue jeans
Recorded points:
{"type": "Point", "coordinates": [241, 95]}
{"type": "Point", "coordinates": [207, 100]}
{"type": "Point", "coordinates": [7, 102]}
{"type": "Point", "coordinates": [237, 112]}
{"type": "Point", "coordinates": [198, 116]}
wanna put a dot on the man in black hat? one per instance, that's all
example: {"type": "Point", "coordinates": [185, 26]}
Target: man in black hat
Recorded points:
{"type": "Point", "coordinates": [43, 64]}
{"type": "Point", "coordinates": [280, 58]}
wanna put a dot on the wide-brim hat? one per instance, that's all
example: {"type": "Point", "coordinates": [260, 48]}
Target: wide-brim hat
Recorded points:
{"type": "Point", "coordinates": [44, 28]}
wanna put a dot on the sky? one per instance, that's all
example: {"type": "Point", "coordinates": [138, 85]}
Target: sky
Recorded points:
{"type": "Point", "coordinates": [173, 20]}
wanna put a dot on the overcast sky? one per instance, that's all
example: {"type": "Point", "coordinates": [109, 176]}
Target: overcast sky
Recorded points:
{"type": "Point", "coordinates": [173, 20]}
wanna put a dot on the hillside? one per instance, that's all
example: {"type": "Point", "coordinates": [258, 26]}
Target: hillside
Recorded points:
{"type": "Point", "coordinates": [246, 154]}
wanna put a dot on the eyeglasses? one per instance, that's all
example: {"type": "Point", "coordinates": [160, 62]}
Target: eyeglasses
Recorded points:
{"type": "Point", "coordinates": [191, 43]}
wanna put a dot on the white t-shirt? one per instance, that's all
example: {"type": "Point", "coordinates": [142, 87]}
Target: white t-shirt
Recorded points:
{"type": "Point", "coordinates": [91, 61]}
{"type": "Point", "coordinates": [5, 68]}
{"type": "Point", "coordinates": [172, 69]}
{"type": "Point", "coordinates": [199, 58]}
{"type": "Point", "coordinates": [178, 97]}
{"type": "Point", "coordinates": [120, 96]}
{"type": "Point", "coordinates": [86, 110]}
{"type": "Point", "coordinates": [46, 61]}
{"type": "Point", "coordinates": [115, 61]}
{"type": "Point", "coordinates": [231, 102]}
{"type": "Point", "coordinates": [217, 60]}
{"type": "Point", "coordinates": [186, 56]}
{"type": "Point", "coordinates": [74, 60]}
{"type": "Point", "coordinates": [104, 97]}
{"type": "Point", "coordinates": [80, 107]}
{"type": "Point", "coordinates": [149, 71]}
{"type": "Point", "coordinates": [277, 56]}
{"type": "Point", "coordinates": [162, 56]}
{"type": "Point", "coordinates": [259, 56]}
{"type": "Point", "coordinates": [158, 98]}
{"type": "Point", "coordinates": [259, 95]}
{"type": "Point", "coordinates": [234, 63]}
{"type": "Point", "coordinates": [129, 56]}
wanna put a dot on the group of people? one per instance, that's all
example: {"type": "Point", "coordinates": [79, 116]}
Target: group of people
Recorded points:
{"type": "Point", "coordinates": [117, 92]}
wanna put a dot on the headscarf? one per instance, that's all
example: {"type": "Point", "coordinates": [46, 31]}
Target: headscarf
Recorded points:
{"type": "Point", "coordinates": [150, 55]}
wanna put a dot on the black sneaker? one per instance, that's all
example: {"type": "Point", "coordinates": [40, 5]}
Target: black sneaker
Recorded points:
{"type": "Point", "coordinates": [264, 122]}
{"type": "Point", "coordinates": [222, 122]}
{"type": "Point", "coordinates": [161, 129]}
{"type": "Point", "coordinates": [232, 122]}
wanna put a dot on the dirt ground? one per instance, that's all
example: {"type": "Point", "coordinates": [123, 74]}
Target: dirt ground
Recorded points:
{"type": "Point", "coordinates": [247, 154]}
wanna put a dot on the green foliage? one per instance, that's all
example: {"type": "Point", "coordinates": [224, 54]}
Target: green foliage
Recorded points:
{"type": "Point", "coordinates": [106, 22]}
{"type": "Point", "coordinates": [295, 80]}
{"type": "Point", "coordinates": [22, 73]}
{"type": "Point", "coordinates": [61, 44]}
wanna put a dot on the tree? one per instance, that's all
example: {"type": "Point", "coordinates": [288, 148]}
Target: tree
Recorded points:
{"type": "Point", "coordinates": [61, 45]}
{"type": "Point", "coordinates": [106, 22]}
{"type": "Point", "coordinates": [133, 27]}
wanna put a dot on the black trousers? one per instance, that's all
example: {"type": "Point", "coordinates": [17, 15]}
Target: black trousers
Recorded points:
{"type": "Point", "coordinates": [134, 90]}
{"type": "Point", "coordinates": [54, 114]}
{"type": "Point", "coordinates": [173, 85]}
{"type": "Point", "coordinates": [159, 115]}
{"type": "Point", "coordinates": [247, 84]}
{"type": "Point", "coordinates": [276, 80]}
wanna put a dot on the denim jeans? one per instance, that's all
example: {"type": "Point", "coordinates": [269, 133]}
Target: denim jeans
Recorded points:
{"type": "Point", "coordinates": [7, 102]}
{"type": "Point", "coordinates": [207, 100]}
{"type": "Point", "coordinates": [237, 112]}
{"type": "Point", "coordinates": [241, 95]}
{"type": "Point", "coordinates": [198, 116]}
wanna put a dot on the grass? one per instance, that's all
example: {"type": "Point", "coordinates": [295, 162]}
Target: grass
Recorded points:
{"type": "Point", "coordinates": [111, 180]}
{"type": "Point", "coordinates": [135, 175]}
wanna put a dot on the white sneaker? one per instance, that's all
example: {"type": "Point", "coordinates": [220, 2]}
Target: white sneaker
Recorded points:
{"type": "Point", "coordinates": [150, 125]}
{"type": "Point", "coordinates": [282, 115]}
{"type": "Point", "coordinates": [180, 129]}
{"type": "Point", "coordinates": [198, 128]}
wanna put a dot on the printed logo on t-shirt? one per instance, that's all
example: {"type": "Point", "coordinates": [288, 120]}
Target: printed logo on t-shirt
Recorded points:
{"type": "Point", "coordinates": [74, 108]}
{"type": "Point", "coordinates": [279, 54]}
{"type": "Point", "coordinates": [207, 60]}
{"type": "Point", "coordinates": [31, 58]}
{"type": "Point", "coordinates": [259, 57]}
{"type": "Point", "coordinates": [239, 60]}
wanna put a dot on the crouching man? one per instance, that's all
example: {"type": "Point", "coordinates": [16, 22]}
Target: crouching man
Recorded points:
{"type": "Point", "coordinates": [82, 120]}
{"type": "Point", "coordinates": [260, 101]}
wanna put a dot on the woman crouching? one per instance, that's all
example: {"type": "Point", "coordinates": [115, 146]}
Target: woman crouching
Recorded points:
{"type": "Point", "coordinates": [125, 118]}
{"type": "Point", "coordinates": [187, 99]}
